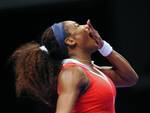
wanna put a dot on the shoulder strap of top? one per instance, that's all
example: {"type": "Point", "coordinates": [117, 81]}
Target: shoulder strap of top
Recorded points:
{"type": "Point", "coordinates": [70, 61]}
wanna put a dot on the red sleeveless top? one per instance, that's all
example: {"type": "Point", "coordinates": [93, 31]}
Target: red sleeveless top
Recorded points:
{"type": "Point", "coordinates": [100, 95]}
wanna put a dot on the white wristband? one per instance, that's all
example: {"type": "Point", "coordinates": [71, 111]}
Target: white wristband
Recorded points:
{"type": "Point", "coordinates": [106, 49]}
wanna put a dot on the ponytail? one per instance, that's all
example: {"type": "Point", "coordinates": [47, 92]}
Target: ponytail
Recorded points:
{"type": "Point", "coordinates": [34, 74]}
{"type": "Point", "coordinates": [36, 70]}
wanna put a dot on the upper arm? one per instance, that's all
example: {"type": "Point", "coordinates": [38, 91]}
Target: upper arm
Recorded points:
{"type": "Point", "coordinates": [113, 75]}
{"type": "Point", "coordinates": [122, 73]}
{"type": "Point", "coordinates": [70, 81]}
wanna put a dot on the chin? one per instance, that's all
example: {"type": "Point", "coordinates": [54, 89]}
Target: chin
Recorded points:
{"type": "Point", "coordinates": [94, 49]}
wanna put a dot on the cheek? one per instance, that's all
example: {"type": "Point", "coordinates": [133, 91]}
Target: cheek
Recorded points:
{"type": "Point", "coordinates": [82, 37]}
{"type": "Point", "coordinates": [84, 40]}
{"type": "Point", "coordinates": [85, 37]}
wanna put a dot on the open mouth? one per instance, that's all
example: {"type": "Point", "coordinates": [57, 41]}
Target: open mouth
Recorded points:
{"type": "Point", "coordinates": [90, 34]}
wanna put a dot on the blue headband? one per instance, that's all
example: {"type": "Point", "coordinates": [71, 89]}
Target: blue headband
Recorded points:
{"type": "Point", "coordinates": [59, 33]}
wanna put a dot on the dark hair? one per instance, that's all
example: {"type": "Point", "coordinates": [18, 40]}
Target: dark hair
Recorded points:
{"type": "Point", "coordinates": [36, 71]}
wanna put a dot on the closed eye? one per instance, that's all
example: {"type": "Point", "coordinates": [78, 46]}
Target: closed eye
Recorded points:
{"type": "Point", "coordinates": [76, 25]}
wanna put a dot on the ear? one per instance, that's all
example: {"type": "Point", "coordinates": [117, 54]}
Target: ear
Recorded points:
{"type": "Point", "coordinates": [70, 41]}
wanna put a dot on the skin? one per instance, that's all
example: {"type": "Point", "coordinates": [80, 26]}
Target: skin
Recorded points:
{"type": "Point", "coordinates": [81, 43]}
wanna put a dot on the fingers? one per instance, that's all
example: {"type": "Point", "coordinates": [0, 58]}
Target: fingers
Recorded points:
{"type": "Point", "coordinates": [93, 31]}
{"type": "Point", "coordinates": [89, 24]}
{"type": "Point", "coordinates": [91, 27]}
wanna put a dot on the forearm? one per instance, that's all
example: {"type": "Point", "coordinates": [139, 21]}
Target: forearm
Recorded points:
{"type": "Point", "coordinates": [122, 73]}
{"type": "Point", "coordinates": [122, 67]}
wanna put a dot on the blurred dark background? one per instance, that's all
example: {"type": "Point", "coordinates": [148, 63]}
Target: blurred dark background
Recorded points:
{"type": "Point", "coordinates": [123, 23]}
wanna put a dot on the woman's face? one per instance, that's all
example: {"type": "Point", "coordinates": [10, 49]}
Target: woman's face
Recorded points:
{"type": "Point", "coordinates": [81, 34]}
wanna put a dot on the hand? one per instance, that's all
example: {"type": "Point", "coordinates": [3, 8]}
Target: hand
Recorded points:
{"type": "Point", "coordinates": [95, 34]}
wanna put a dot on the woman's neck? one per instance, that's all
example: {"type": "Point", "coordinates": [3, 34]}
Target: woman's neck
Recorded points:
{"type": "Point", "coordinates": [85, 59]}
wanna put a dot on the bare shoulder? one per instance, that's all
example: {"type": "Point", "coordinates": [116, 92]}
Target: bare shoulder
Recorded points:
{"type": "Point", "coordinates": [69, 80]}
{"type": "Point", "coordinates": [71, 76]}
